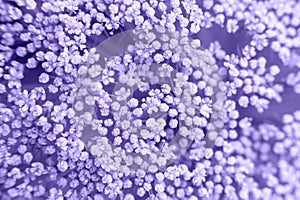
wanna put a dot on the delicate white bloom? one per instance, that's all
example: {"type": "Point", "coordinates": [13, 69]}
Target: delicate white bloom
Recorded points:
{"type": "Point", "coordinates": [232, 25]}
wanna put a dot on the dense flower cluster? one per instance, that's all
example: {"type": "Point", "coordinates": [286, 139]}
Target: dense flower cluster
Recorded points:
{"type": "Point", "coordinates": [253, 45]}
{"type": "Point", "coordinates": [173, 108]}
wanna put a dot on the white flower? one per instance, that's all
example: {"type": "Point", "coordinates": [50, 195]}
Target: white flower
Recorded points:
{"type": "Point", "coordinates": [188, 121]}
{"type": "Point", "coordinates": [173, 123]}
{"type": "Point", "coordinates": [122, 94]}
{"type": "Point", "coordinates": [164, 107]}
{"type": "Point", "coordinates": [151, 123]}
{"type": "Point", "coordinates": [184, 131]}
{"type": "Point", "coordinates": [62, 165]}
{"type": "Point", "coordinates": [195, 27]}
{"type": "Point", "coordinates": [115, 106]}
{"type": "Point", "coordinates": [205, 110]}
{"type": "Point", "coordinates": [232, 25]}
{"type": "Point", "coordinates": [161, 161]}
{"type": "Point", "coordinates": [107, 76]}
{"type": "Point", "coordinates": [133, 102]}
{"type": "Point", "coordinates": [243, 101]}
{"type": "Point", "coordinates": [138, 112]}
{"type": "Point", "coordinates": [145, 134]}
{"type": "Point", "coordinates": [165, 70]}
